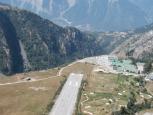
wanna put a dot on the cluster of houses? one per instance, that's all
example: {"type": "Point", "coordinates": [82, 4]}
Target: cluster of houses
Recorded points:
{"type": "Point", "coordinates": [126, 65]}
{"type": "Point", "coordinates": [123, 66]}
{"type": "Point", "coordinates": [111, 64]}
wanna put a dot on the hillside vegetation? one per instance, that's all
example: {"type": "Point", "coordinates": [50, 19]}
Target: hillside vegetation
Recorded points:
{"type": "Point", "coordinates": [28, 42]}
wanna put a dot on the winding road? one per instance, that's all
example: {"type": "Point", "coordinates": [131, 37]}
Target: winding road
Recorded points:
{"type": "Point", "coordinates": [82, 103]}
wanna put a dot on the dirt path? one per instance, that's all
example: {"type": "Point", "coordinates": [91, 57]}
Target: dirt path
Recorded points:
{"type": "Point", "coordinates": [62, 69]}
{"type": "Point", "coordinates": [87, 98]}
{"type": "Point", "coordinates": [36, 80]}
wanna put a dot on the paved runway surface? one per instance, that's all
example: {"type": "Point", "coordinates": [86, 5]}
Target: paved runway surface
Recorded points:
{"type": "Point", "coordinates": [65, 103]}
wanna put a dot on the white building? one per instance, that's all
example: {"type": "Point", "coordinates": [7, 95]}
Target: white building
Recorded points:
{"type": "Point", "coordinates": [140, 67]}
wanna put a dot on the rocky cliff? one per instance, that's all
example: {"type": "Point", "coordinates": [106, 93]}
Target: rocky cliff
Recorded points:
{"type": "Point", "coordinates": [29, 42]}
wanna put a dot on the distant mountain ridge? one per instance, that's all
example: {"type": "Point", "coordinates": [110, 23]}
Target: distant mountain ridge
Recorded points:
{"type": "Point", "coordinates": [95, 15]}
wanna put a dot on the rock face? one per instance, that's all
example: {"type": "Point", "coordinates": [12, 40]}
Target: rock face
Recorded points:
{"type": "Point", "coordinates": [139, 44]}
{"type": "Point", "coordinates": [12, 43]}
{"type": "Point", "coordinates": [28, 42]}
{"type": "Point", "coordinates": [99, 15]}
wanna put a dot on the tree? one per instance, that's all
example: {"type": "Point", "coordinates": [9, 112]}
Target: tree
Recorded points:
{"type": "Point", "coordinates": [147, 104]}
{"type": "Point", "coordinates": [131, 107]}
{"type": "Point", "coordinates": [124, 111]}
{"type": "Point", "coordinates": [148, 67]}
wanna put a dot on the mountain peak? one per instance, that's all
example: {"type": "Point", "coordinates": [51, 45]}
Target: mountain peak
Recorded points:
{"type": "Point", "coordinates": [126, 14]}
{"type": "Point", "coordinates": [113, 1]}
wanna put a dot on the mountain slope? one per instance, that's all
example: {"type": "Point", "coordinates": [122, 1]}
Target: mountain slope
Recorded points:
{"type": "Point", "coordinates": [139, 44]}
{"type": "Point", "coordinates": [99, 15]}
{"type": "Point", "coordinates": [28, 42]}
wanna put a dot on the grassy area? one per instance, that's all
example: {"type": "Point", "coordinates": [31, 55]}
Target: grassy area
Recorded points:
{"type": "Point", "coordinates": [31, 98]}
{"type": "Point", "coordinates": [107, 93]}
{"type": "Point", "coordinates": [149, 87]}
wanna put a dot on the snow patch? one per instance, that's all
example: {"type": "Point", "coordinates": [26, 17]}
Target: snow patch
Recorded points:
{"type": "Point", "coordinates": [71, 2]}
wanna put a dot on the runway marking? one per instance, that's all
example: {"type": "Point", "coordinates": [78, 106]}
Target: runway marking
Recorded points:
{"type": "Point", "coordinates": [65, 103]}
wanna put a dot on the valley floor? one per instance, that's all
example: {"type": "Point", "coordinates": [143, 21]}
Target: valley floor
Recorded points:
{"type": "Point", "coordinates": [102, 94]}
